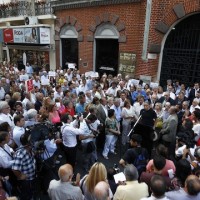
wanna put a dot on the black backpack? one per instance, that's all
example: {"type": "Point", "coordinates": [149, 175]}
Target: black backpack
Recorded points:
{"type": "Point", "coordinates": [140, 161]}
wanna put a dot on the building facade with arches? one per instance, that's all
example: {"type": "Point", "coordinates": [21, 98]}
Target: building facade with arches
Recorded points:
{"type": "Point", "coordinates": [156, 38]}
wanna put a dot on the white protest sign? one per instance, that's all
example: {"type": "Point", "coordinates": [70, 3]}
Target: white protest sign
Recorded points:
{"type": "Point", "coordinates": [71, 65]}
{"type": "Point", "coordinates": [154, 85]}
{"type": "Point", "coordinates": [52, 73]}
{"type": "Point", "coordinates": [23, 77]}
{"type": "Point", "coordinates": [119, 177]}
{"type": "Point", "coordinates": [92, 74]}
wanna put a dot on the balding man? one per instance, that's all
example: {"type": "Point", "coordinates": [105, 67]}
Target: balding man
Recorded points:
{"type": "Point", "coordinates": [101, 191]}
{"type": "Point", "coordinates": [63, 188]}
{"type": "Point", "coordinates": [168, 131]}
{"type": "Point", "coordinates": [191, 190]}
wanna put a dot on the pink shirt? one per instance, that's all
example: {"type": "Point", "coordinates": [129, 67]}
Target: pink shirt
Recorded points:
{"type": "Point", "coordinates": [55, 118]}
{"type": "Point", "coordinates": [169, 165]}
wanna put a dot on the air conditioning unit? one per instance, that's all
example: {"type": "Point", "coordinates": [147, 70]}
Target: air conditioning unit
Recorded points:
{"type": "Point", "coordinates": [31, 20]}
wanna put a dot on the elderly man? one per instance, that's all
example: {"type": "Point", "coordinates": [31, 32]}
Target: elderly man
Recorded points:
{"type": "Point", "coordinates": [190, 191]}
{"type": "Point", "coordinates": [138, 92]}
{"type": "Point", "coordinates": [168, 131]}
{"type": "Point", "coordinates": [101, 191]}
{"type": "Point", "coordinates": [31, 118]}
{"type": "Point", "coordinates": [132, 190]}
{"type": "Point", "coordinates": [5, 114]}
{"type": "Point", "coordinates": [63, 188]}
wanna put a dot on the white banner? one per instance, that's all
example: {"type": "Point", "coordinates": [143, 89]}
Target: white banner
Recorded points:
{"type": "Point", "coordinates": [44, 35]}
{"type": "Point", "coordinates": [18, 35]}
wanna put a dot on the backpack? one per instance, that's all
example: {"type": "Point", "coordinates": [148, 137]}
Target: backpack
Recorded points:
{"type": "Point", "coordinates": [140, 161]}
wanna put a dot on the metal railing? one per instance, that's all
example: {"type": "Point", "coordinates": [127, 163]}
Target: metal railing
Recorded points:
{"type": "Point", "coordinates": [22, 8]}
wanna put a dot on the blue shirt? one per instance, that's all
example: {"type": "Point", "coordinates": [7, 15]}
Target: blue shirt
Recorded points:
{"type": "Point", "coordinates": [118, 111]}
{"type": "Point", "coordinates": [136, 93]}
{"type": "Point", "coordinates": [80, 108]}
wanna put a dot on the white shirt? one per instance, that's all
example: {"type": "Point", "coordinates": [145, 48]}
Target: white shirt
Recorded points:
{"type": "Point", "coordinates": [50, 149]}
{"type": "Point", "coordinates": [154, 198]}
{"type": "Point", "coordinates": [2, 93]}
{"type": "Point", "coordinates": [7, 118]}
{"type": "Point", "coordinates": [172, 95]}
{"type": "Point", "coordinates": [192, 108]}
{"type": "Point", "coordinates": [82, 88]}
{"type": "Point", "coordinates": [29, 69]}
{"type": "Point", "coordinates": [86, 131]}
{"type": "Point", "coordinates": [17, 132]}
{"type": "Point", "coordinates": [105, 110]}
{"type": "Point", "coordinates": [24, 102]}
{"type": "Point", "coordinates": [111, 91]}
{"type": "Point", "coordinates": [138, 108]}
{"type": "Point", "coordinates": [69, 134]}
{"type": "Point", "coordinates": [33, 97]}
{"type": "Point", "coordinates": [6, 160]}
{"type": "Point", "coordinates": [37, 83]}
{"type": "Point", "coordinates": [58, 95]}
{"type": "Point", "coordinates": [196, 129]}
{"type": "Point", "coordinates": [68, 76]}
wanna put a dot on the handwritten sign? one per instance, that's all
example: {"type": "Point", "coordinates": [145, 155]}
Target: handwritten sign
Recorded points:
{"type": "Point", "coordinates": [52, 73]}
{"type": "Point", "coordinates": [29, 85]}
{"type": "Point", "coordinates": [23, 77]}
{"type": "Point", "coordinates": [92, 74]}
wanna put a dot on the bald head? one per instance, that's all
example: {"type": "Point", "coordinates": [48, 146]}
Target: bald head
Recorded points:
{"type": "Point", "coordinates": [101, 191]}
{"type": "Point", "coordinates": [192, 185]}
{"type": "Point", "coordinates": [65, 173]}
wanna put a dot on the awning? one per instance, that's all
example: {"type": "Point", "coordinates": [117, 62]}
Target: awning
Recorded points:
{"type": "Point", "coordinates": [28, 47]}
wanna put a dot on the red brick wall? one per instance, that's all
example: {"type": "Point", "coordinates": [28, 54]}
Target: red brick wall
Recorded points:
{"type": "Point", "coordinates": [133, 15]}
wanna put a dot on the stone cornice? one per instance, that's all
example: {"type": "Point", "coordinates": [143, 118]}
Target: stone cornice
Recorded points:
{"type": "Point", "coordinates": [68, 4]}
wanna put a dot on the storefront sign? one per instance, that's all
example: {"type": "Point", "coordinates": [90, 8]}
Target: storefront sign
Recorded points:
{"type": "Point", "coordinates": [1, 35]}
{"type": "Point", "coordinates": [8, 35]}
{"type": "Point", "coordinates": [44, 35]}
{"type": "Point", "coordinates": [18, 35]}
{"type": "Point", "coordinates": [31, 35]}
{"type": "Point", "coordinates": [29, 85]}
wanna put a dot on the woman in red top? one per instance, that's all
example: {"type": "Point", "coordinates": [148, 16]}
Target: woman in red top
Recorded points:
{"type": "Point", "coordinates": [69, 108]}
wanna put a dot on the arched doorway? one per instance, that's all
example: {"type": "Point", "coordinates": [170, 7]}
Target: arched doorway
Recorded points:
{"type": "Point", "coordinates": [106, 50]}
{"type": "Point", "coordinates": [181, 53]}
{"type": "Point", "coordinates": [69, 46]}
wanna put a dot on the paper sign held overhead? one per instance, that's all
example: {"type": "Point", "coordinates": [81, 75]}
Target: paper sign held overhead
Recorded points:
{"type": "Point", "coordinates": [23, 77]}
{"type": "Point", "coordinates": [29, 85]}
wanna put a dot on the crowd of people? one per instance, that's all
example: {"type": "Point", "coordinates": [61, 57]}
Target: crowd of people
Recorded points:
{"type": "Point", "coordinates": [157, 129]}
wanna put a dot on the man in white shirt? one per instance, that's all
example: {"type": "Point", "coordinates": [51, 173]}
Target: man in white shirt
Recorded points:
{"type": "Point", "coordinates": [83, 87]}
{"type": "Point", "coordinates": [5, 114]}
{"type": "Point", "coordinates": [112, 91]}
{"type": "Point", "coordinates": [19, 129]}
{"type": "Point", "coordinates": [195, 104]}
{"type": "Point", "coordinates": [2, 92]}
{"type": "Point", "coordinates": [69, 133]}
{"type": "Point", "coordinates": [36, 82]}
{"type": "Point", "coordinates": [29, 69]}
{"type": "Point", "coordinates": [69, 75]}
{"type": "Point", "coordinates": [26, 99]}
{"type": "Point", "coordinates": [87, 140]}
{"type": "Point", "coordinates": [139, 105]}
{"type": "Point", "coordinates": [58, 93]}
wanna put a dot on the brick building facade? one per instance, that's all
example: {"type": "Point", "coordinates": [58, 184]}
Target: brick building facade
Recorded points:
{"type": "Point", "coordinates": [128, 18]}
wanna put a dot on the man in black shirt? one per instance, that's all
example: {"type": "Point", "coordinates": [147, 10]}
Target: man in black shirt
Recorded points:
{"type": "Point", "coordinates": [136, 155]}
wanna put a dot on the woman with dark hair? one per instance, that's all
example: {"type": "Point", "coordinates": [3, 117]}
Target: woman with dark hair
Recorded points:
{"type": "Point", "coordinates": [112, 131]}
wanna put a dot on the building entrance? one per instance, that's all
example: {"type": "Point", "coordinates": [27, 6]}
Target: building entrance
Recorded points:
{"type": "Point", "coordinates": [181, 54]}
{"type": "Point", "coordinates": [69, 51]}
{"type": "Point", "coordinates": [107, 53]}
